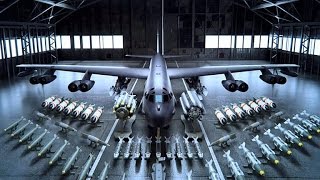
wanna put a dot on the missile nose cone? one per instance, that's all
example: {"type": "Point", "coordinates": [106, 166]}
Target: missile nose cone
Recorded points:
{"type": "Point", "coordinates": [261, 173]}
{"type": "Point", "coordinates": [63, 172]}
{"type": "Point", "coordinates": [300, 144]}
{"type": "Point", "coordinates": [50, 162]}
{"type": "Point", "coordinates": [309, 137]}
{"type": "Point", "coordinates": [276, 162]}
{"type": "Point", "coordinates": [289, 152]}
{"type": "Point", "coordinates": [318, 131]}
{"type": "Point", "coordinates": [39, 154]}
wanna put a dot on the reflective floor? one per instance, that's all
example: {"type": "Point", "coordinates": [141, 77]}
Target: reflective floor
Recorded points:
{"type": "Point", "coordinates": [19, 98]}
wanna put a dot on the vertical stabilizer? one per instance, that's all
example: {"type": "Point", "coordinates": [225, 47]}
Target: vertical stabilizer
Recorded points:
{"type": "Point", "coordinates": [162, 31]}
{"type": "Point", "coordinates": [158, 45]}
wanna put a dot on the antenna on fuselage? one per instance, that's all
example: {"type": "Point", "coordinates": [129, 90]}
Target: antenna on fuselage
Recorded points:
{"type": "Point", "coordinates": [162, 31]}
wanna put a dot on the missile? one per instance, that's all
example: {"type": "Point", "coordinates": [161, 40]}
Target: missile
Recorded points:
{"type": "Point", "coordinates": [158, 147]}
{"type": "Point", "coordinates": [126, 154]}
{"type": "Point", "coordinates": [97, 114]}
{"type": "Point", "coordinates": [269, 102]}
{"type": "Point", "coordinates": [104, 173]}
{"type": "Point", "coordinates": [76, 112]}
{"type": "Point", "coordinates": [58, 153]}
{"type": "Point", "coordinates": [194, 99]}
{"type": "Point", "coordinates": [48, 146]}
{"type": "Point", "coordinates": [252, 159]}
{"type": "Point", "coordinates": [229, 113]}
{"type": "Point", "coordinates": [234, 167]}
{"type": "Point", "coordinates": [187, 145]}
{"type": "Point", "coordinates": [86, 113]}
{"type": "Point", "coordinates": [65, 127]}
{"type": "Point", "coordinates": [21, 129]}
{"type": "Point", "coordinates": [29, 134]}
{"type": "Point", "coordinates": [198, 148]}
{"type": "Point", "coordinates": [124, 99]}
{"type": "Point", "coordinates": [94, 140]}
{"type": "Point", "coordinates": [55, 103]}
{"type": "Point", "coordinates": [70, 108]}
{"type": "Point", "coordinates": [130, 101]}
{"type": "Point", "coordinates": [178, 148]}
{"type": "Point", "coordinates": [71, 161]}
{"type": "Point", "coordinates": [213, 175]}
{"type": "Point", "coordinates": [307, 124]}
{"type": "Point", "coordinates": [86, 168]}
{"type": "Point", "coordinates": [189, 175]}
{"type": "Point", "coordinates": [42, 116]}
{"type": "Point", "coordinates": [118, 148]}
{"type": "Point", "coordinates": [278, 142]}
{"type": "Point", "coordinates": [168, 147]}
{"type": "Point", "coordinates": [254, 106]}
{"type": "Point", "coordinates": [222, 119]}
{"type": "Point", "coordinates": [118, 101]}
{"type": "Point", "coordinates": [247, 109]}
{"type": "Point", "coordinates": [266, 150]}
{"type": "Point", "coordinates": [14, 125]}
{"type": "Point", "coordinates": [262, 104]}
{"type": "Point", "coordinates": [46, 102]}
{"type": "Point", "coordinates": [38, 139]}
{"type": "Point", "coordinates": [223, 141]}
{"type": "Point", "coordinates": [253, 127]}
{"type": "Point", "coordinates": [148, 148]}
{"type": "Point", "coordinates": [315, 119]}
{"type": "Point", "coordinates": [241, 114]}
{"type": "Point", "coordinates": [292, 138]}
{"type": "Point", "coordinates": [158, 172]}
{"type": "Point", "coordinates": [277, 115]}
{"type": "Point", "coordinates": [63, 105]}
{"type": "Point", "coordinates": [302, 132]}
{"type": "Point", "coordinates": [133, 107]}
{"type": "Point", "coordinates": [137, 148]}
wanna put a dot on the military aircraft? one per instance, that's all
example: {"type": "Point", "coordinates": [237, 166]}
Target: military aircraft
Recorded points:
{"type": "Point", "coordinates": [158, 102]}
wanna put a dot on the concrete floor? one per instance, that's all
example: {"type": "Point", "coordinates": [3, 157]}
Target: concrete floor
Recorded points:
{"type": "Point", "coordinates": [19, 98]}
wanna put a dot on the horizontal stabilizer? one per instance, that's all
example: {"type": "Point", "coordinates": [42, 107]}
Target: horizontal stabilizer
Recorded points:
{"type": "Point", "coordinates": [176, 56]}
{"type": "Point", "coordinates": [139, 56]}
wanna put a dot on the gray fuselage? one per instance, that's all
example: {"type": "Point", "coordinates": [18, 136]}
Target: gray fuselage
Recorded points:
{"type": "Point", "coordinates": [158, 102]}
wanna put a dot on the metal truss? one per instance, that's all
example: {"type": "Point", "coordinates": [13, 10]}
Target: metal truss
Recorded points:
{"type": "Point", "coordinates": [275, 34]}
{"type": "Point", "coordinates": [304, 47]}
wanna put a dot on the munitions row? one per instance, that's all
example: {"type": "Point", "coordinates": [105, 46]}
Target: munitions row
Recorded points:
{"type": "Point", "coordinates": [244, 109]}
{"type": "Point", "coordinates": [44, 150]}
{"type": "Point", "coordinates": [73, 108]}
{"type": "Point", "coordinates": [141, 148]}
{"type": "Point", "coordinates": [125, 106]}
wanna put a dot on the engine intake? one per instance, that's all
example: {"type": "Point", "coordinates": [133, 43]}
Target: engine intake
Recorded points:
{"type": "Point", "coordinates": [268, 78]}
{"type": "Point", "coordinates": [86, 85]}
{"type": "Point", "coordinates": [229, 85]}
{"type": "Point", "coordinates": [34, 80]}
{"type": "Point", "coordinates": [74, 86]}
{"type": "Point", "coordinates": [281, 79]}
{"type": "Point", "coordinates": [242, 86]}
{"type": "Point", "coordinates": [46, 79]}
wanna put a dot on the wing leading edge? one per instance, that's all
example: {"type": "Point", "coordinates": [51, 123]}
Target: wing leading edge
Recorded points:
{"type": "Point", "coordinates": [102, 70]}
{"type": "Point", "coordinates": [175, 73]}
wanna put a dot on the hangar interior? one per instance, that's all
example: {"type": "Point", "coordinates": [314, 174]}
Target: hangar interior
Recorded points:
{"type": "Point", "coordinates": [197, 33]}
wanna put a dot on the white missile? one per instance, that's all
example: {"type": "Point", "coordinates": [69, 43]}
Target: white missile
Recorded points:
{"type": "Point", "coordinates": [269, 102]}
{"type": "Point", "coordinates": [254, 106]}
{"type": "Point", "coordinates": [131, 99]}
{"type": "Point", "coordinates": [76, 112]}
{"type": "Point", "coordinates": [126, 154]}
{"type": "Point", "coordinates": [277, 115]}
{"type": "Point", "coordinates": [21, 129]}
{"type": "Point", "coordinates": [97, 114]}
{"type": "Point", "coordinates": [213, 175]}
{"type": "Point", "coordinates": [55, 103]}
{"type": "Point", "coordinates": [116, 153]}
{"type": "Point", "coordinates": [290, 136]}
{"type": "Point", "coordinates": [247, 109]}
{"type": "Point", "coordinates": [234, 167]}
{"type": "Point", "coordinates": [58, 153]}
{"type": "Point", "coordinates": [178, 149]}
{"type": "Point", "coordinates": [168, 147]}
{"type": "Point", "coordinates": [42, 116]}
{"type": "Point", "coordinates": [29, 134]}
{"type": "Point", "coordinates": [198, 148]}
{"type": "Point", "coordinates": [137, 148]}
{"type": "Point", "coordinates": [307, 124]}
{"type": "Point", "coordinates": [278, 142]}
{"type": "Point", "coordinates": [188, 149]}
{"type": "Point", "coordinates": [70, 108]}
{"type": "Point", "coordinates": [315, 119]}
{"type": "Point", "coordinates": [266, 150]}
{"type": "Point", "coordinates": [189, 175]}
{"type": "Point", "coordinates": [222, 119]}
{"type": "Point", "coordinates": [71, 161]}
{"type": "Point", "coordinates": [302, 132]}
{"type": "Point", "coordinates": [46, 102]}
{"type": "Point", "coordinates": [62, 105]}
{"type": "Point", "coordinates": [229, 113]}
{"type": "Point", "coordinates": [65, 127]}
{"type": "Point", "coordinates": [14, 125]}
{"type": "Point", "coordinates": [147, 154]}
{"type": "Point", "coordinates": [158, 147]}
{"type": "Point", "coordinates": [252, 159]}
{"type": "Point", "coordinates": [86, 167]}
{"type": "Point", "coordinates": [86, 113]}
{"type": "Point", "coordinates": [94, 140]}
{"type": "Point", "coordinates": [241, 114]}
{"type": "Point", "coordinates": [38, 139]}
{"type": "Point", "coordinates": [104, 173]}
{"type": "Point", "coordinates": [48, 146]}
{"type": "Point", "coordinates": [262, 104]}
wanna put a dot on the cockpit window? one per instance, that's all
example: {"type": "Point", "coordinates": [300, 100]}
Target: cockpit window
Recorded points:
{"type": "Point", "coordinates": [158, 98]}
{"type": "Point", "coordinates": [165, 96]}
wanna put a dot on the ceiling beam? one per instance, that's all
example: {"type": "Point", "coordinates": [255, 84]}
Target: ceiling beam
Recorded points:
{"type": "Point", "coordinates": [269, 4]}
{"type": "Point", "coordinates": [58, 4]}
{"type": "Point", "coordinates": [7, 7]}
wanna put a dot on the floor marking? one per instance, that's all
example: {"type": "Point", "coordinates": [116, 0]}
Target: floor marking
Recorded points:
{"type": "Point", "coordinates": [214, 158]}
{"type": "Point", "coordinates": [97, 160]}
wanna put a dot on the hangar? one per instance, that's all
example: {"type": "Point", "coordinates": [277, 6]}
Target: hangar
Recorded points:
{"type": "Point", "coordinates": [137, 89]}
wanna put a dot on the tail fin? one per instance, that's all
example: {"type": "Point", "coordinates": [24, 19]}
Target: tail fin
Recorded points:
{"type": "Point", "coordinates": [243, 145]}
{"type": "Point", "coordinates": [226, 154]}
{"type": "Point", "coordinates": [255, 138]}
{"type": "Point", "coordinates": [287, 121]}
{"type": "Point", "coordinates": [267, 132]}
{"type": "Point", "coordinates": [158, 42]}
{"type": "Point", "coordinates": [278, 126]}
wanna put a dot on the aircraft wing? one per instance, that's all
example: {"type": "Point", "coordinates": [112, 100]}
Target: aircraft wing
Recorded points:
{"type": "Point", "coordinates": [102, 70]}
{"type": "Point", "coordinates": [175, 73]}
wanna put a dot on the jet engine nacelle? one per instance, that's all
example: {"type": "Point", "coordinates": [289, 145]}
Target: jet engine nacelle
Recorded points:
{"type": "Point", "coordinates": [242, 86]}
{"type": "Point", "coordinates": [74, 86]}
{"type": "Point", "coordinates": [46, 79]}
{"type": "Point", "coordinates": [268, 78]}
{"type": "Point", "coordinates": [230, 85]}
{"type": "Point", "coordinates": [281, 79]}
{"type": "Point", "coordinates": [86, 85]}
